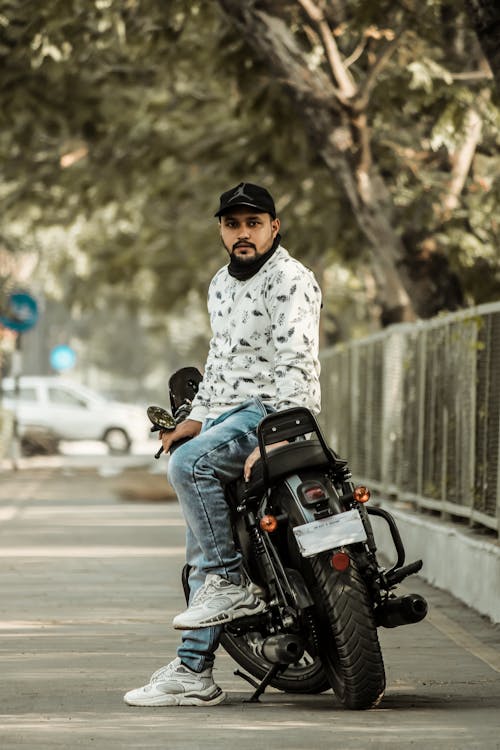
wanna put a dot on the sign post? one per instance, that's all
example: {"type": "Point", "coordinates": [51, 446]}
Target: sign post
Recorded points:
{"type": "Point", "coordinates": [20, 314]}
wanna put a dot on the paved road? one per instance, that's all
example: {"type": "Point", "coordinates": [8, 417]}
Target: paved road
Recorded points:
{"type": "Point", "coordinates": [88, 585]}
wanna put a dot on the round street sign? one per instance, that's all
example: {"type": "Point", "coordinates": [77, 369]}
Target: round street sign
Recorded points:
{"type": "Point", "coordinates": [20, 313]}
{"type": "Point", "coordinates": [62, 357]}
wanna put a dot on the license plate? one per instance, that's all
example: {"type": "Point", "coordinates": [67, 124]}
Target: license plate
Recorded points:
{"type": "Point", "coordinates": [329, 533]}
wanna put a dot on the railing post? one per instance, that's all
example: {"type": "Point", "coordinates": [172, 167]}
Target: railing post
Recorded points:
{"type": "Point", "coordinates": [422, 341]}
{"type": "Point", "coordinates": [498, 479]}
{"type": "Point", "coordinates": [444, 464]}
{"type": "Point", "coordinates": [472, 438]}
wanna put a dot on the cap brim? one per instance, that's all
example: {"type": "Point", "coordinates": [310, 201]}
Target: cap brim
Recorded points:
{"type": "Point", "coordinates": [260, 209]}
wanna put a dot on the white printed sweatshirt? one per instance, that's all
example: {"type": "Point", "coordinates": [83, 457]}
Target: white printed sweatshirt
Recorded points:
{"type": "Point", "coordinates": [264, 342]}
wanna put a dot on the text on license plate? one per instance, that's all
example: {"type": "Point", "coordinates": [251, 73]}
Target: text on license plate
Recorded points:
{"type": "Point", "coordinates": [329, 533]}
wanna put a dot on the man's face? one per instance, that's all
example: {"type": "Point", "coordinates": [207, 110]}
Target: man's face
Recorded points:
{"type": "Point", "coordinates": [247, 234]}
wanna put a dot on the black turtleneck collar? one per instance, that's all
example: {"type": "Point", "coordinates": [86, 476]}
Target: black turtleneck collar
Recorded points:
{"type": "Point", "coordinates": [243, 271]}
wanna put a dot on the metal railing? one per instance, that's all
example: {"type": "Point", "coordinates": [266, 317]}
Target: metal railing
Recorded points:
{"type": "Point", "coordinates": [416, 410]}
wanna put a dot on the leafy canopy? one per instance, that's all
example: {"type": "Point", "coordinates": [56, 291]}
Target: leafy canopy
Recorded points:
{"type": "Point", "coordinates": [121, 122]}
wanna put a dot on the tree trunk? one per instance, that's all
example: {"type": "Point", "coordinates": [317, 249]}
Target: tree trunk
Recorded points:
{"type": "Point", "coordinates": [373, 215]}
{"type": "Point", "coordinates": [333, 125]}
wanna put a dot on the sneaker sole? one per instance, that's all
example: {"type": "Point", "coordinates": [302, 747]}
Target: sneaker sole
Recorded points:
{"type": "Point", "coordinates": [221, 619]}
{"type": "Point", "coordinates": [173, 699]}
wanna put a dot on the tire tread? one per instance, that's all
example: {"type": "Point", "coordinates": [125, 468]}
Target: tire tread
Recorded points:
{"type": "Point", "coordinates": [354, 665]}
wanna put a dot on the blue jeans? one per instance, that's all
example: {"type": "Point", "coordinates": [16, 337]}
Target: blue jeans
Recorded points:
{"type": "Point", "coordinates": [198, 471]}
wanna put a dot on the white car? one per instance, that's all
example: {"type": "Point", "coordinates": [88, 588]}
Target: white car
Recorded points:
{"type": "Point", "coordinates": [50, 409]}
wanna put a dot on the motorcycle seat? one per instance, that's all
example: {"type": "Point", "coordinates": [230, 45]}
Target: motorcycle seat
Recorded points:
{"type": "Point", "coordinates": [287, 459]}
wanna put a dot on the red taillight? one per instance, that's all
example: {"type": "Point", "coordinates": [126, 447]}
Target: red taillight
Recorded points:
{"type": "Point", "coordinates": [315, 493]}
{"type": "Point", "coordinates": [361, 494]}
{"type": "Point", "coordinates": [268, 523]}
{"type": "Point", "coordinates": [340, 561]}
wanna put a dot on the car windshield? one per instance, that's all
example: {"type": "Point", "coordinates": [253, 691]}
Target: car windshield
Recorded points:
{"type": "Point", "coordinates": [64, 397]}
{"type": "Point", "coordinates": [88, 393]}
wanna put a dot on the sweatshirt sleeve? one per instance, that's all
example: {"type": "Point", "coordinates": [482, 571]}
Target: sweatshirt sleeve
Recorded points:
{"type": "Point", "coordinates": [293, 299]}
{"type": "Point", "coordinates": [199, 408]}
{"type": "Point", "coordinates": [201, 402]}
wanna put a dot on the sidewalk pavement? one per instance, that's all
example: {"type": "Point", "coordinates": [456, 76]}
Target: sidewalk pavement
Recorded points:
{"type": "Point", "coordinates": [89, 584]}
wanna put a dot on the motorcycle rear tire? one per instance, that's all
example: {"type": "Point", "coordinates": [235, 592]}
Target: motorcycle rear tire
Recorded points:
{"type": "Point", "coordinates": [306, 679]}
{"type": "Point", "coordinates": [349, 644]}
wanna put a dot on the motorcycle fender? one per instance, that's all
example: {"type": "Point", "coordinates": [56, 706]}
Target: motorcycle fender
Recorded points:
{"type": "Point", "coordinates": [292, 501]}
{"type": "Point", "coordinates": [299, 513]}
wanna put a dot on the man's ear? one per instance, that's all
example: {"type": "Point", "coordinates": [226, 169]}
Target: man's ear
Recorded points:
{"type": "Point", "coordinates": [275, 226]}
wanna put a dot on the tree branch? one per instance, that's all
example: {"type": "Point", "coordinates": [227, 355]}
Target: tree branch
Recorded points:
{"type": "Point", "coordinates": [365, 158]}
{"type": "Point", "coordinates": [315, 39]}
{"type": "Point", "coordinates": [371, 78]}
{"type": "Point", "coordinates": [462, 160]}
{"type": "Point", "coordinates": [356, 53]}
{"type": "Point", "coordinates": [279, 47]}
{"type": "Point", "coordinates": [473, 75]}
{"type": "Point", "coordinates": [344, 79]}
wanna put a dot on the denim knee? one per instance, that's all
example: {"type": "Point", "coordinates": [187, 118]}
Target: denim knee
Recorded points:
{"type": "Point", "coordinates": [180, 466]}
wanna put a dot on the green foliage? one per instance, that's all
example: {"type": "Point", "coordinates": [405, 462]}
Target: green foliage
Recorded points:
{"type": "Point", "coordinates": [419, 112]}
{"type": "Point", "coordinates": [153, 129]}
{"type": "Point", "coordinates": [122, 121]}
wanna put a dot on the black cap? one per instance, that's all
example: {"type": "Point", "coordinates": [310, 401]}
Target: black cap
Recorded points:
{"type": "Point", "coordinates": [249, 195]}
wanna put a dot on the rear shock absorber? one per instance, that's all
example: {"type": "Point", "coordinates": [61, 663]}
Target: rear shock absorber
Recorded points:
{"type": "Point", "coordinates": [263, 557]}
{"type": "Point", "coordinates": [255, 535]}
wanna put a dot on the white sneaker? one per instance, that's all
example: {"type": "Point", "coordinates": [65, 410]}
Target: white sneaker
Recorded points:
{"type": "Point", "coordinates": [216, 602]}
{"type": "Point", "coordinates": [177, 685]}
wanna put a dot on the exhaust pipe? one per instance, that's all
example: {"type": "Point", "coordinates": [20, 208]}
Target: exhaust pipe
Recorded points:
{"type": "Point", "coordinates": [401, 610]}
{"type": "Point", "coordinates": [282, 649]}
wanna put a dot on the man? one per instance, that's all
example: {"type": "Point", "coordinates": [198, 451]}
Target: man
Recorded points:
{"type": "Point", "coordinates": [264, 310]}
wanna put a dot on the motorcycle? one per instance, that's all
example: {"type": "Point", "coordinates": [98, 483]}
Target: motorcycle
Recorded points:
{"type": "Point", "coordinates": [309, 551]}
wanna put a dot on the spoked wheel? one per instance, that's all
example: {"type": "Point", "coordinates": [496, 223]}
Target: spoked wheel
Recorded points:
{"type": "Point", "coordinates": [349, 644]}
{"type": "Point", "coordinates": [306, 676]}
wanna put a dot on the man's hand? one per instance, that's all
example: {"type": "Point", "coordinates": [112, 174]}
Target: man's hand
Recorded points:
{"type": "Point", "coordinates": [188, 428]}
{"type": "Point", "coordinates": [254, 457]}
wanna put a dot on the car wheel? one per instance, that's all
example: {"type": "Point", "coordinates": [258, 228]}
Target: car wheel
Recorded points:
{"type": "Point", "coordinates": [117, 440]}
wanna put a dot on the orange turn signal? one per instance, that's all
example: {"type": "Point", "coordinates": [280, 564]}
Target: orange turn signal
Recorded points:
{"type": "Point", "coordinates": [340, 561]}
{"type": "Point", "coordinates": [268, 523]}
{"type": "Point", "coordinates": [361, 494]}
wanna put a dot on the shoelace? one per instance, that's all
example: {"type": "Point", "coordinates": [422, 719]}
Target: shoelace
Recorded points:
{"type": "Point", "coordinates": [204, 592]}
{"type": "Point", "coordinates": [162, 672]}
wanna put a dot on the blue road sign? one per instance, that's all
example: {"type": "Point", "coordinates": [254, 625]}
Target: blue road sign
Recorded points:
{"type": "Point", "coordinates": [62, 357]}
{"type": "Point", "coordinates": [20, 313]}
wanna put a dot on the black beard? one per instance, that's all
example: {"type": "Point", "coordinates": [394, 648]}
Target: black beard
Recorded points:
{"type": "Point", "coordinates": [245, 258]}
{"type": "Point", "coordinates": [245, 269]}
